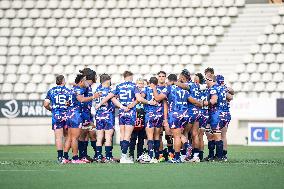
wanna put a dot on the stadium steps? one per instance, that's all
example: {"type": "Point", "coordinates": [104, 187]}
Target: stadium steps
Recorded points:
{"type": "Point", "coordinates": [238, 38]}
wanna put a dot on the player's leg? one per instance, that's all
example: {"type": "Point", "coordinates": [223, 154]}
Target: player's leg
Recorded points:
{"type": "Point", "coordinates": [82, 143]}
{"type": "Point", "coordinates": [141, 136]}
{"type": "Point", "coordinates": [149, 119]}
{"type": "Point", "coordinates": [92, 137]}
{"type": "Point", "coordinates": [132, 144]}
{"type": "Point", "coordinates": [224, 139]}
{"type": "Point", "coordinates": [58, 133]}
{"type": "Point", "coordinates": [177, 143]}
{"type": "Point", "coordinates": [215, 125]}
{"type": "Point", "coordinates": [75, 134]}
{"type": "Point", "coordinates": [157, 132]}
{"type": "Point", "coordinates": [195, 140]}
{"type": "Point", "coordinates": [108, 144]}
{"type": "Point", "coordinates": [100, 136]}
{"type": "Point", "coordinates": [67, 146]}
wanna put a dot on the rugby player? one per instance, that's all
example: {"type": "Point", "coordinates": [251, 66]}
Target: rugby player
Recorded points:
{"type": "Point", "coordinates": [226, 115]}
{"type": "Point", "coordinates": [55, 101]}
{"type": "Point", "coordinates": [127, 93]}
{"type": "Point", "coordinates": [74, 118]}
{"type": "Point", "coordinates": [217, 101]}
{"type": "Point", "coordinates": [178, 110]}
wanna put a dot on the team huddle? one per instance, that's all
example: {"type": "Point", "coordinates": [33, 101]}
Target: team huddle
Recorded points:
{"type": "Point", "coordinates": [181, 107]}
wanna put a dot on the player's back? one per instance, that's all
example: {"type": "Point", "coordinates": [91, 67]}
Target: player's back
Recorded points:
{"type": "Point", "coordinates": [126, 92]}
{"type": "Point", "coordinates": [108, 107]}
{"type": "Point", "coordinates": [58, 96]}
{"type": "Point", "coordinates": [86, 106]}
{"type": "Point", "coordinates": [74, 92]}
{"type": "Point", "coordinates": [204, 94]}
{"type": "Point", "coordinates": [177, 98]}
{"type": "Point", "coordinates": [222, 103]}
{"type": "Point", "coordinates": [149, 96]}
{"type": "Point", "coordinates": [194, 93]}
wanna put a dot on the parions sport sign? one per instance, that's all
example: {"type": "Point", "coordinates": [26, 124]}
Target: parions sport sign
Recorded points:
{"type": "Point", "coordinates": [22, 108]}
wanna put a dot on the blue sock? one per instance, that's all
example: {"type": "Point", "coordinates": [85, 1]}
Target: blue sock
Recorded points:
{"type": "Point", "coordinates": [108, 154]}
{"type": "Point", "coordinates": [201, 155]}
{"type": "Point", "coordinates": [225, 152]}
{"type": "Point", "coordinates": [219, 149]}
{"type": "Point", "coordinates": [183, 152]}
{"type": "Point", "coordinates": [211, 148]}
{"type": "Point", "coordinates": [151, 148]}
{"type": "Point", "coordinates": [111, 148]}
{"type": "Point", "coordinates": [75, 157]}
{"type": "Point", "coordinates": [121, 143]}
{"type": "Point", "coordinates": [65, 155]}
{"type": "Point", "coordinates": [86, 143]}
{"type": "Point", "coordinates": [177, 154]}
{"type": "Point", "coordinates": [125, 146]}
{"type": "Point", "coordinates": [186, 145]}
{"type": "Point", "coordinates": [59, 153]}
{"type": "Point", "coordinates": [99, 152]}
{"type": "Point", "coordinates": [81, 148]}
{"type": "Point", "coordinates": [171, 149]}
{"type": "Point", "coordinates": [94, 146]}
{"type": "Point", "coordinates": [157, 147]}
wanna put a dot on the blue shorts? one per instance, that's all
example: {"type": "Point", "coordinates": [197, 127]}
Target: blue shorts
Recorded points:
{"type": "Point", "coordinates": [127, 118]}
{"type": "Point", "coordinates": [194, 115]}
{"type": "Point", "coordinates": [104, 121]}
{"type": "Point", "coordinates": [87, 118]}
{"type": "Point", "coordinates": [74, 119]}
{"type": "Point", "coordinates": [215, 120]}
{"type": "Point", "coordinates": [225, 119]}
{"type": "Point", "coordinates": [178, 119]}
{"type": "Point", "coordinates": [153, 120]}
{"type": "Point", "coordinates": [59, 120]}
{"type": "Point", "coordinates": [203, 119]}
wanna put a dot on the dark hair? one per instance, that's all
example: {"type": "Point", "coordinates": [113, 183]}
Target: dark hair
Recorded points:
{"type": "Point", "coordinates": [59, 79]}
{"type": "Point", "coordinates": [127, 74]}
{"type": "Point", "coordinates": [79, 78]}
{"type": "Point", "coordinates": [186, 74]}
{"type": "Point", "coordinates": [104, 77]}
{"type": "Point", "coordinates": [162, 72]}
{"type": "Point", "coordinates": [209, 70]}
{"type": "Point", "coordinates": [153, 80]}
{"type": "Point", "coordinates": [89, 73]}
{"type": "Point", "coordinates": [172, 77]}
{"type": "Point", "coordinates": [201, 78]}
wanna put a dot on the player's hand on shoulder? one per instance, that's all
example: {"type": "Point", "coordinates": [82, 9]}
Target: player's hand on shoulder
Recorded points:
{"type": "Point", "coordinates": [97, 95]}
{"type": "Point", "coordinates": [153, 102]}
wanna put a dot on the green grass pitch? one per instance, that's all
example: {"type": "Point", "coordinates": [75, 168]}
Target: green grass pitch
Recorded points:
{"type": "Point", "coordinates": [35, 167]}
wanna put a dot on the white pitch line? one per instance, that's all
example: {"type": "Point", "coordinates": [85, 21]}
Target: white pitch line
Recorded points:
{"type": "Point", "coordinates": [26, 170]}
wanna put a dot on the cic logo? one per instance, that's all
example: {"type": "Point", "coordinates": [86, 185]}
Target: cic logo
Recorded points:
{"type": "Point", "coordinates": [267, 134]}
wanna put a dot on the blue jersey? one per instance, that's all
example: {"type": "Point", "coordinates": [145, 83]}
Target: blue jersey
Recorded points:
{"type": "Point", "coordinates": [75, 91]}
{"type": "Point", "coordinates": [224, 105]}
{"type": "Point", "coordinates": [177, 98]}
{"type": "Point", "coordinates": [149, 96]}
{"type": "Point", "coordinates": [221, 94]}
{"type": "Point", "coordinates": [86, 106]}
{"type": "Point", "coordinates": [58, 97]}
{"type": "Point", "coordinates": [204, 94]}
{"type": "Point", "coordinates": [194, 90]}
{"type": "Point", "coordinates": [108, 107]}
{"type": "Point", "coordinates": [126, 92]}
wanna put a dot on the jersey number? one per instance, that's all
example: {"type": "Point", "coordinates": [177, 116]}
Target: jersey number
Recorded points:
{"type": "Point", "coordinates": [125, 94]}
{"type": "Point", "coordinates": [60, 99]}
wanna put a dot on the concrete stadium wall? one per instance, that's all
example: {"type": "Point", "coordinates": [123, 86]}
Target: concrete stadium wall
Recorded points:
{"type": "Point", "coordinates": [244, 111]}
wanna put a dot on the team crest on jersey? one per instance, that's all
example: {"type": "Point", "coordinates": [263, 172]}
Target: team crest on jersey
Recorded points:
{"type": "Point", "coordinates": [213, 92]}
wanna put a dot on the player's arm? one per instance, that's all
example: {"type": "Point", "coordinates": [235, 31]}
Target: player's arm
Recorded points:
{"type": "Point", "coordinates": [182, 85]}
{"type": "Point", "coordinates": [139, 98]}
{"type": "Point", "coordinates": [117, 103]}
{"type": "Point", "coordinates": [166, 108]}
{"type": "Point", "coordinates": [158, 97]}
{"type": "Point", "coordinates": [133, 104]}
{"type": "Point", "coordinates": [81, 98]}
{"type": "Point", "coordinates": [212, 101]}
{"type": "Point", "coordinates": [194, 102]}
{"type": "Point", "coordinates": [104, 100]}
{"type": "Point", "coordinates": [229, 97]}
{"type": "Point", "coordinates": [230, 91]}
{"type": "Point", "coordinates": [46, 104]}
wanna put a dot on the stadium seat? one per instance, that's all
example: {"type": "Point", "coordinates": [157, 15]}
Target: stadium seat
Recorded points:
{"type": "Point", "coordinates": [33, 96]}
{"type": "Point", "coordinates": [259, 86]}
{"type": "Point", "coordinates": [250, 68]}
{"type": "Point", "coordinates": [270, 87]}
{"type": "Point", "coordinates": [11, 78]}
{"type": "Point", "coordinates": [24, 78]}
{"type": "Point", "coordinates": [270, 58]}
{"type": "Point", "coordinates": [262, 67]}
{"type": "Point", "coordinates": [263, 95]}
{"type": "Point", "coordinates": [274, 67]}
{"type": "Point", "coordinates": [278, 77]}
{"type": "Point", "coordinates": [37, 78]}
{"type": "Point", "coordinates": [272, 38]}
{"type": "Point", "coordinates": [237, 86]}
{"type": "Point", "coordinates": [255, 77]}
{"type": "Point", "coordinates": [7, 87]}
{"type": "Point", "coordinates": [266, 77]}
{"type": "Point", "coordinates": [244, 77]}
{"type": "Point", "coordinates": [49, 78]}
{"type": "Point", "coordinates": [280, 87]}
{"type": "Point", "coordinates": [258, 58]}
{"type": "Point", "coordinates": [254, 49]}
{"type": "Point", "coordinates": [21, 96]}
{"type": "Point", "coordinates": [7, 96]}
{"type": "Point", "coordinates": [19, 87]}
{"type": "Point", "coordinates": [41, 88]}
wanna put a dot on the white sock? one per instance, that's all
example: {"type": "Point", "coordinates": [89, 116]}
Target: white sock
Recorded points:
{"type": "Point", "coordinates": [195, 155]}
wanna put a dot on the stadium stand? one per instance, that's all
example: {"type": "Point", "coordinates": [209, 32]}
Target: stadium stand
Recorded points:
{"type": "Point", "coordinates": [41, 38]}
